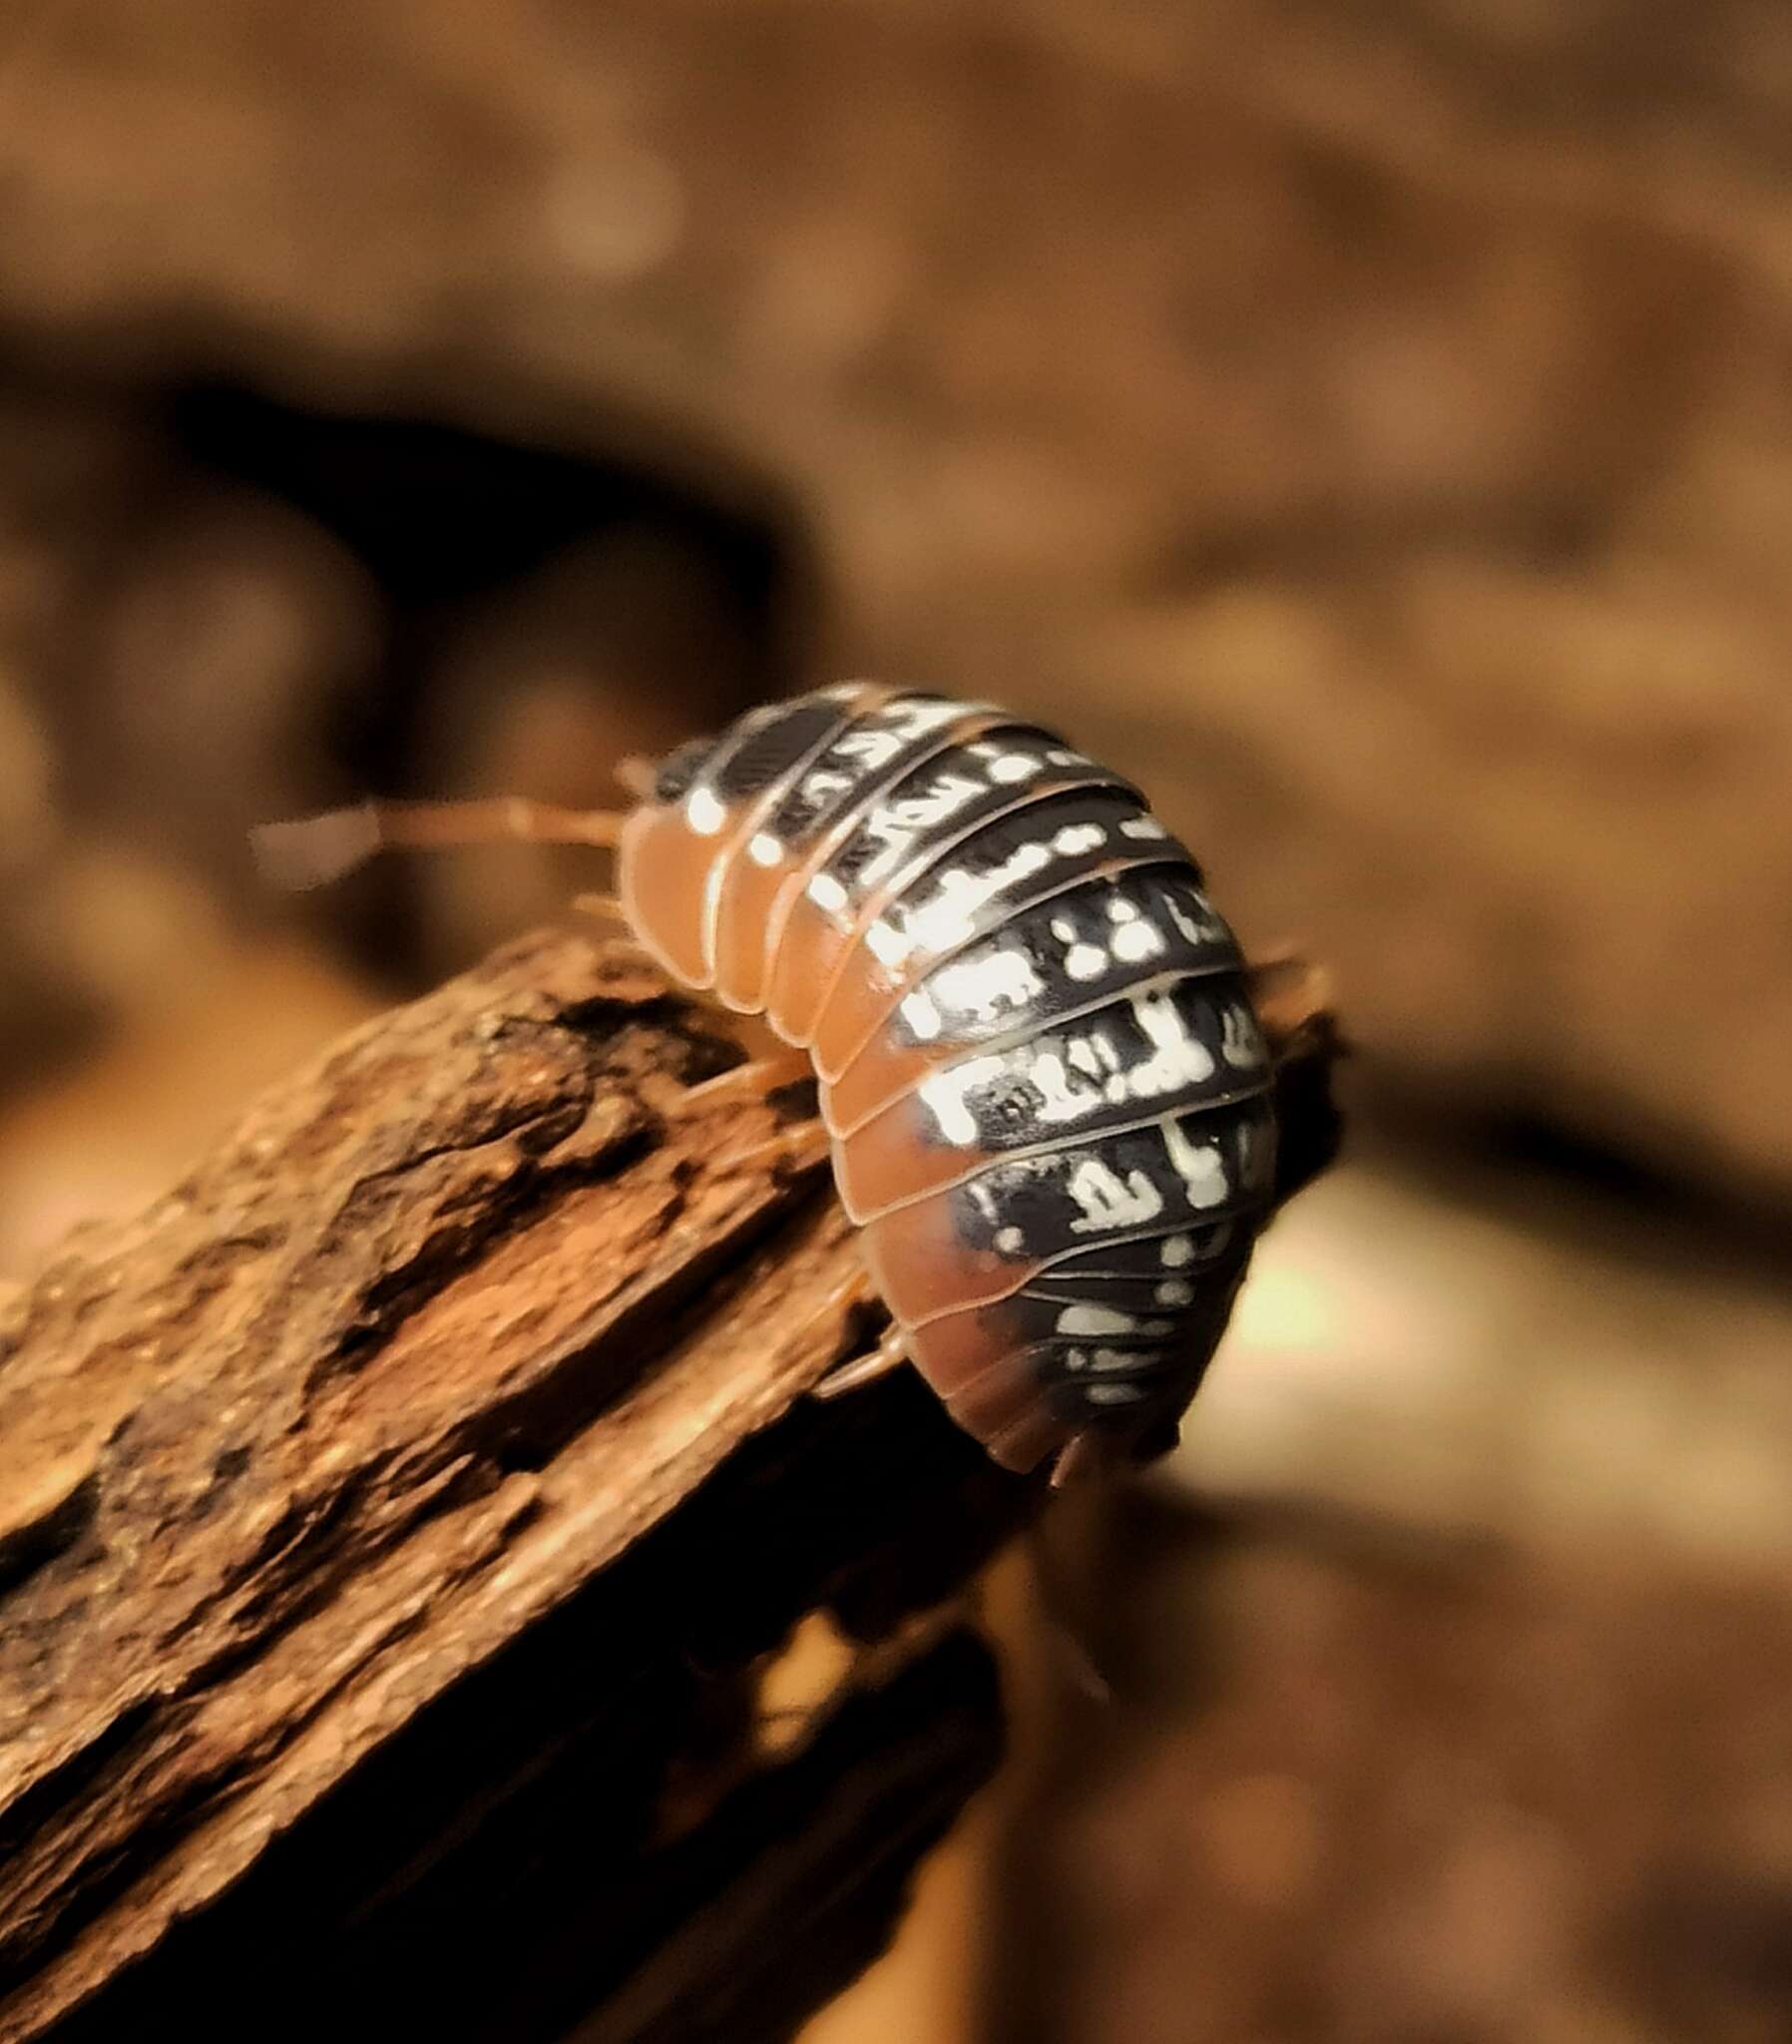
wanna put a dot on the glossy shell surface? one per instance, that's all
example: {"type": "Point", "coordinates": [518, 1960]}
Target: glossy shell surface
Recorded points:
{"type": "Point", "coordinates": [1047, 1096]}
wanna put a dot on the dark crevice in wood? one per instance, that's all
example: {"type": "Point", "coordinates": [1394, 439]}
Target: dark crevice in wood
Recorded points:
{"type": "Point", "coordinates": [454, 1247]}
{"type": "Point", "coordinates": [39, 1538]}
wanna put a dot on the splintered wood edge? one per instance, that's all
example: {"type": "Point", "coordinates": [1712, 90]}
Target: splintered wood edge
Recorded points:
{"type": "Point", "coordinates": [442, 1554]}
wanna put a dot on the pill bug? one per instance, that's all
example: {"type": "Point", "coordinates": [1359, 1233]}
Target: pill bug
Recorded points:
{"type": "Point", "coordinates": [1046, 1095]}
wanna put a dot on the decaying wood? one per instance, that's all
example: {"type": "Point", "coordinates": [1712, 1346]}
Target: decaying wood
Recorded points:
{"type": "Point", "coordinates": [393, 1520]}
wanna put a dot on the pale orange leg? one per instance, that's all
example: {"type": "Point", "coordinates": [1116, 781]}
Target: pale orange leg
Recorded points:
{"type": "Point", "coordinates": [889, 1354]}
{"type": "Point", "coordinates": [1085, 1455]}
{"type": "Point", "coordinates": [758, 1076]}
{"type": "Point", "coordinates": [313, 850]}
{"type": "Point", "coordinates": [795, 1148]}
{"type": "Point", "coordinates": [1293, 998]}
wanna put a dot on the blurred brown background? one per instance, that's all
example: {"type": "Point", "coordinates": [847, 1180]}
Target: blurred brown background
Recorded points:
{"type": "Point", "coordinates": [1368, 422]}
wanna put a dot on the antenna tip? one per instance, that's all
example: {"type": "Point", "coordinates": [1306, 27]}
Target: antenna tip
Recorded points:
{"type": "Point", "coordinates": [311, 851]}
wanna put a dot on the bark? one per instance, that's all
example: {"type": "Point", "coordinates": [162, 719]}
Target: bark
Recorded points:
{"type": "Point", "coordinates": [396, 1521]}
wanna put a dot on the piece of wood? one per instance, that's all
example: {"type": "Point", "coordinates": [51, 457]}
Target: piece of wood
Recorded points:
{"type": "Point", "coordinates": [395, 1521]}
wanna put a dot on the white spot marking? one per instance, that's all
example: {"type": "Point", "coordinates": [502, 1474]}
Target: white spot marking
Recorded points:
{"type": "Point", "coordinates": [1059, 1099]}
{"type": "Point", "coordinates": [1108, 1201]}
{"type": "Point", "coordinates": [1096, 1319]}
{"type": "Point", "coordinates": [1177, 1250]}
{"type": "Point", "coordinates": [1010, 1240]}
{"type": "Point", "coordinates": [922, 1017]}
{"type": "Point", "coordinates": [1074, 838]}
{"type": "Point", "coordinates": [949, 918]}
{"type": "Point", "coordinates": [983, 987]}
{"type": "Point", "coordinates": [1134, 942]}
{"type": "Point", "coordinates": [945, 1093]}
{"type": "Point", "coordinates": [1174, 1292]}
{"type": "Point", "coordinates": [1177, 1058]}
{"type": "Point", "coordinates": [982, 1200]}
{"type": "Point", "coordinates": [896, 825]}
{"type": "Point", "coordinates": [1197, 928]}
{"type": "Point", "coordinates": [1143, 827]}
{"type": "Point", "coordinates": [1128, 1358]}
{"type": "Point", "coordinates": [1086, 961]}
{"type": "Point", "coordinates": [764, 850]}
{"type": "Point", "coordinates": [1013, 768]}
{"type": "Point", "coordinates": [875, 747]}
{"type": "Point", "coordinates": [821, 786]}
{"type": "Point", "coordinates": [827, 893]}
{"type": "Point", "coordinates": [917, 720]}
{"type": "Point", "coordinates": [703, 813]}
{"type": "Point", "coordinates": [1199, 1164]}
{"type": "Point", "coordinates": [888, 946]}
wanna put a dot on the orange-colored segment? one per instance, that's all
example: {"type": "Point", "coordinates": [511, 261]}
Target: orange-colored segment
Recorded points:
{"type": "Point", "coordinates": [863, 996]}
{"type": "Point", "coordinates": [952, 1352]}
{"type": "Point", "coordinates": [922, 1269]}
{"type": "Point", "coordinates": [889, 1161]}
{"type": "Point", "coordinates": [882, 1070]}
{"type": "Point", "coordinates": [1001, 1393]}
{"type": "Point", "coordinates": [808, 948]}
{"type": "Point", "coordinates": [748, 889]}
{"type": "Point", "coordinates": [663, 868]}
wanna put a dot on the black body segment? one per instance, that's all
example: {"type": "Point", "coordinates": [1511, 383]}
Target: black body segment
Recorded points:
{"type": "Point", "coordinates": [873, 749]}
{"type": "Point", "coordinates": [1014, 859]}
{"type": "Point", "coordinates": [1167, 1045]}
{"type": "Point", "coordinates": [1185, 1169]}
{"type": "Point", "coordinates": [906, 829]}
{"type": "Point", "coordinates": [1063, 955]}
{"type": "Point", "coordinates": [776, 748]}
{"type": "Point", "coordinates": [1175, 1044]}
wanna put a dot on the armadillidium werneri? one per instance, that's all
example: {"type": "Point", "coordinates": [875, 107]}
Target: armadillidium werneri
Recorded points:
{"type": "Point", "coordinates": [1048, 1098]}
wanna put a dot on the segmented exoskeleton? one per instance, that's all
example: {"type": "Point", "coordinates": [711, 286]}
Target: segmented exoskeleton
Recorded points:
{"type": "Point", "coordinates": [1046, 1095]}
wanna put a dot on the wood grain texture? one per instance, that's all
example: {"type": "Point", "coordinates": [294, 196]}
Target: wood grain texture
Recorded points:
{"type": "Point", "coordinates": [394, 1519]}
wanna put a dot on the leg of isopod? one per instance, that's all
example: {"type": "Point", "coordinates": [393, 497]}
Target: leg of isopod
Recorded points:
{"type": "Point", "coordinates": [796, 1148]}
{"type": "Point", "coordinates": [759, 1076]}
{"type": "Point", "coordinates": [1087, 1456]}
{"type": "Point", "coordinates": [890, 1355]}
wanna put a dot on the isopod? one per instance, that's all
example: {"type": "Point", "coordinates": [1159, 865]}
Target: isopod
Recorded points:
{"type": "Point", "coordinates": [1046, 1095]}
